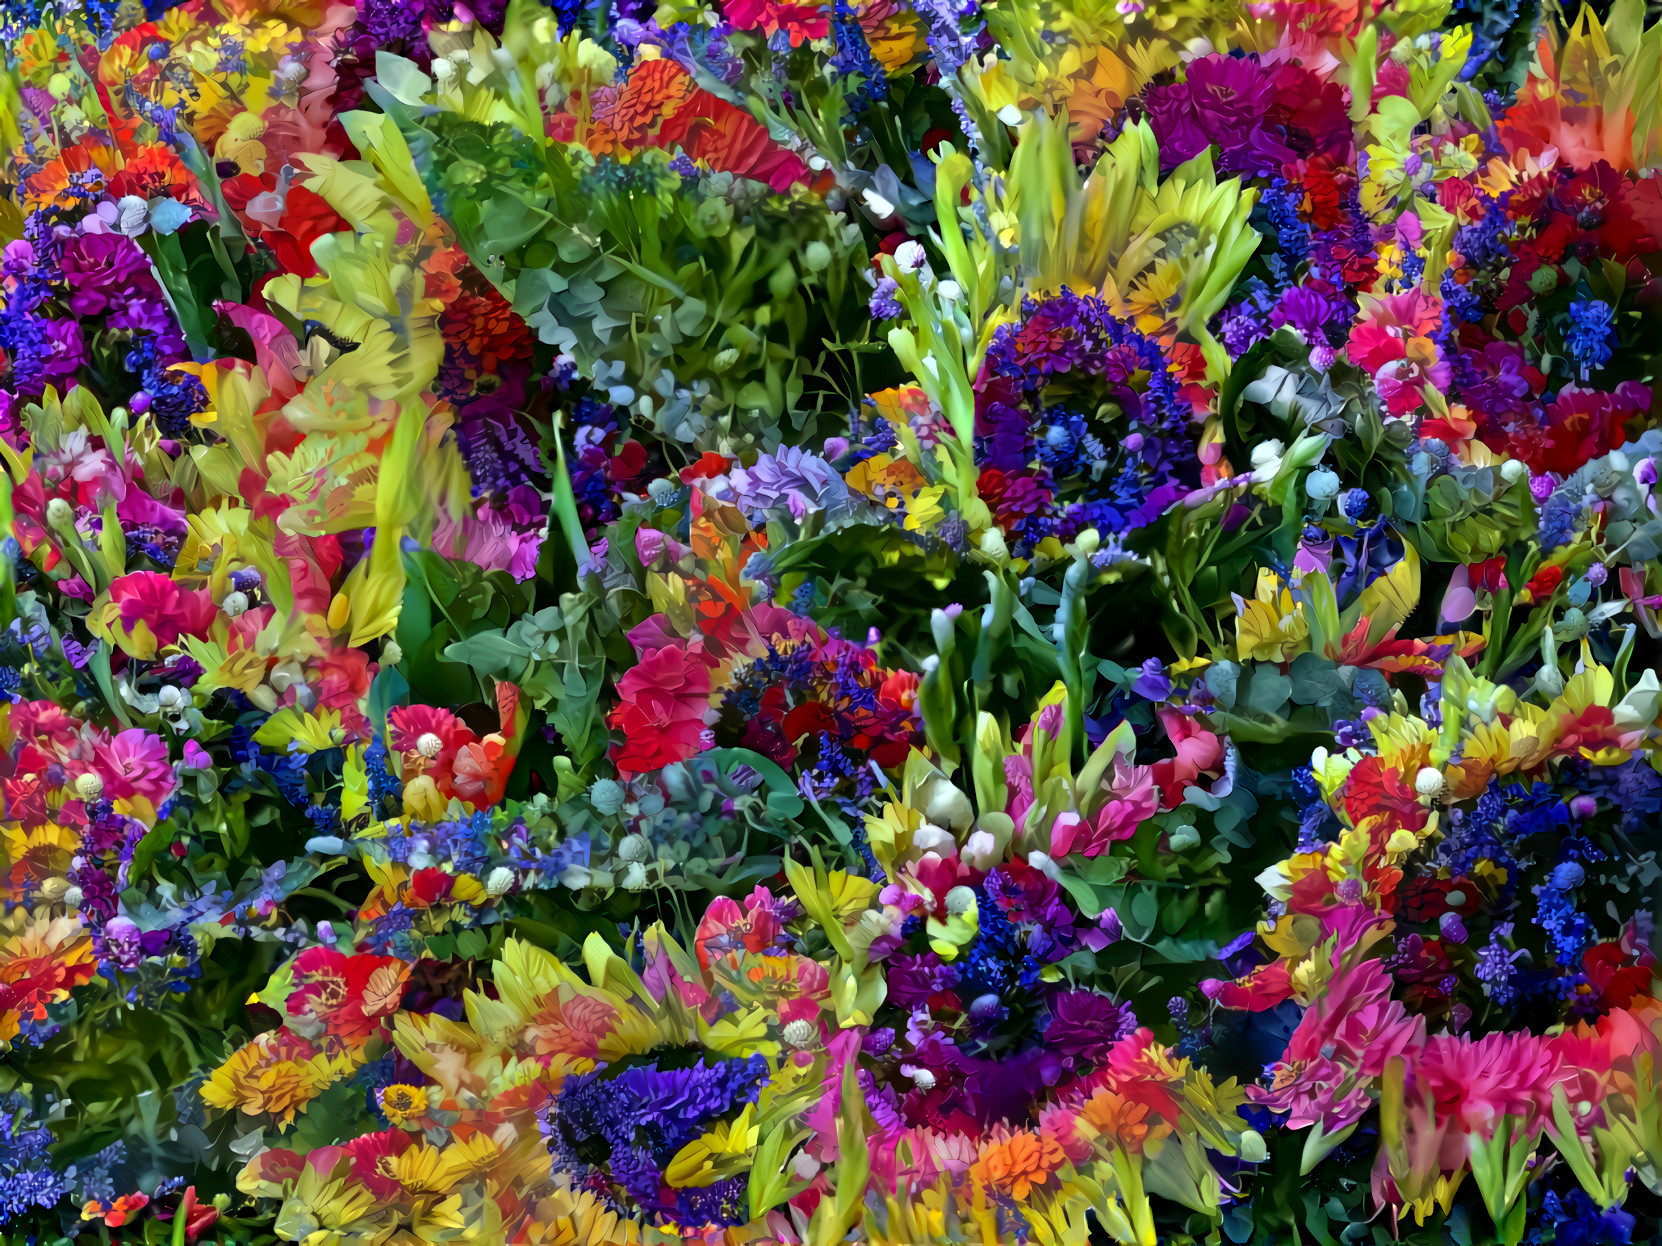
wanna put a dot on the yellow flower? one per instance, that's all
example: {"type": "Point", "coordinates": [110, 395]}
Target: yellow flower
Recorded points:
{"type": "Point", "coordinates": [402, 1104]}
{"type": "Point", "coordinates": [1271, 627]}
{"type": "Point", "coordinates": [276, 1074]}
{"type": "Point", "coordinates": [724, 1151]}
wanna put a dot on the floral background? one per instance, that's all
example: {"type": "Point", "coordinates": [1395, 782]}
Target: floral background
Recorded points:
{"type": "Point", "coordinates": [892, 621]}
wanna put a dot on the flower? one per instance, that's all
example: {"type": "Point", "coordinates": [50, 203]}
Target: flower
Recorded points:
{"type": "Point", "coordinates": [276, 1075]}
{"type": "Point", "coordinates": [1015, 1166]}
{"type": "Point", "coordinates": [1224, 100]}
{"type": "Point", "coordinates": [662, 705]}
{"type": "Point", "coordinates": [145, 612]}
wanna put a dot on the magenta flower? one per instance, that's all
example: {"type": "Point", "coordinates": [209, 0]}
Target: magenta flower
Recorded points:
{"type": "Point", "coordinates": [132, 764]}
{"type": "Point", "coordinates": [1224, 100]}
{"type": "Point", "coordinates": [102, 269]}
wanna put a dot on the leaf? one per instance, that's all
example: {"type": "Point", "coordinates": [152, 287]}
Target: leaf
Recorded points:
{"type": "Point", "coordinates": [490, 653]}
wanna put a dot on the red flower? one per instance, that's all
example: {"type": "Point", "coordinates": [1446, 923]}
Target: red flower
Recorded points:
{"type": "Point", "coordinates": [663, 701]}
{"type": "Point", "coordinates": [429, 887]}
{"type": "Point", "coordinates": [628, 462]}
{"type": "Point", "coordinates": [1542, 585]}
{"type": "Point", "coordinates": [349, 996]}
{"type": "Point", "coordinates": [709, 466]}
{"type": "Point", "coordinates": [288, 225]}
{"type": "Point", "coordinates": [1616, 981]}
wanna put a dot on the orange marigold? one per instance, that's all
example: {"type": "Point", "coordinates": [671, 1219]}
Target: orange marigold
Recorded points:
{"type": "Point", "coordinates": [1016, 1166]}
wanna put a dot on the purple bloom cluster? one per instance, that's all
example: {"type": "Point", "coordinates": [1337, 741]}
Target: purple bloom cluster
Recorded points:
{"type": "Point", "coordinates": [623, 1127]}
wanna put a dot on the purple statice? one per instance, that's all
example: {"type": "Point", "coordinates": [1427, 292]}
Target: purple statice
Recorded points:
{"type": "Point", "coordinates": [42, 351]}
{"type": "Point", "coordinates": [1083, 1025]}
{"type": "Point", "coordinates": [1031, 902]}
{"type": "Point", "coordinates": [912, 980]}
{"type": "Point", "coordinates": [791, 482]}
{"type": "Point", "coordinates": [498, 452]}
{"type": "Point", "coordinates": [1494, 969]}
{"type": "Point", "coordinates": [1224, 100]}
{"type": "Point", "coordinates": [1320, 319]}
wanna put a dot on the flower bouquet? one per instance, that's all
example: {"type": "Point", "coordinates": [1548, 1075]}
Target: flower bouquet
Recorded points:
{"type": "Point", "coordinates": [895, 621]}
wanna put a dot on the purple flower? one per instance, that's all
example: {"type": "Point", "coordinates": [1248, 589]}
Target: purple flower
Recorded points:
{"type": "Point", "coordinates": [1224, 100]}
{"type": "Point", "coordinates": [102, 269]}
{"type": "Point", "coordinates": [1152, 683]}
{"type": "Point", "coordinates": [791, 481]}
{"type": "Point", "coordinates": [1085, 1025]}
{"type": "Point", "coordinates": [1310, 312]}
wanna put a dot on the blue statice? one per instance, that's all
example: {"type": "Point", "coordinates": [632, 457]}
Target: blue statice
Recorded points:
{"type": "Point", "coordinates": [27, 1178]}
{"type": "Point", "coordinates": [862, 845]}
{"type": "Point", "coordinates": [1576, 1220]}
{"type": "Point", "coordinates": [389, 934]}
{"type": "Point", "coordinates": [1633, 789]}
{"type": "Point", "coordinates": [854, 56]}
{"type": "Point", "coordinates": [1569, 931]}
{"type": "Point", "coordinates": [1587, 333]}
{"type": "Point", "coordinates": [386, 793]}
{"type": "Point", "coordinates": [1279, 204]}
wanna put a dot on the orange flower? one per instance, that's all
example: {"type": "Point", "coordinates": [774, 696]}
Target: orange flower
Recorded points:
{"type": "Point", "coordinates": [1121, 1122]}
{"type": "Point", "coordinates": [1016, 1166]}
{"type": "Point", "coordinates": [654, 91]}
{"type": "Point", "coordinates": [117, 1213]}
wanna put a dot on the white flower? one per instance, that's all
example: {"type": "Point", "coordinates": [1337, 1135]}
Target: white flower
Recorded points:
{"type": "Point", "coordinates": [910, 256]}
{"type": "Point", "coordinates": [800, 1033]}
{"type": "Point", "coordinates": [500, 881]}
{"type": "Point", "coordinates": [1429, 781]}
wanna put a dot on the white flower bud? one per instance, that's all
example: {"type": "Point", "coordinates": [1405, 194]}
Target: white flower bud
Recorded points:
{"type": "Point", "coordinates": [800, 1033]}
{"type": "Point", "coordinates": [234, 604]}
{"type": "Point", "coordinates": [1429, 781]}
{"type": "Point", "coordinates": [429, 745]}
{"type": "Point", "coordinates": [501, 880]}
{"type": "Point", "coordinates": [89, 786]}
{"type": "Point", "coordinates": [923, 1079]}
{"type": "Point", "coordinates": [634, 848]}
{"type": "Point", "coordinates": [910, 256]}
{"type": "Point", "coordinates": [959, 901]}
{"type": "Point", "coordinates": [634, 878]}
{"type": "Point", "coordinates": [73, 897]}
{"type": "Point", "coordinates": [60, 514]}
